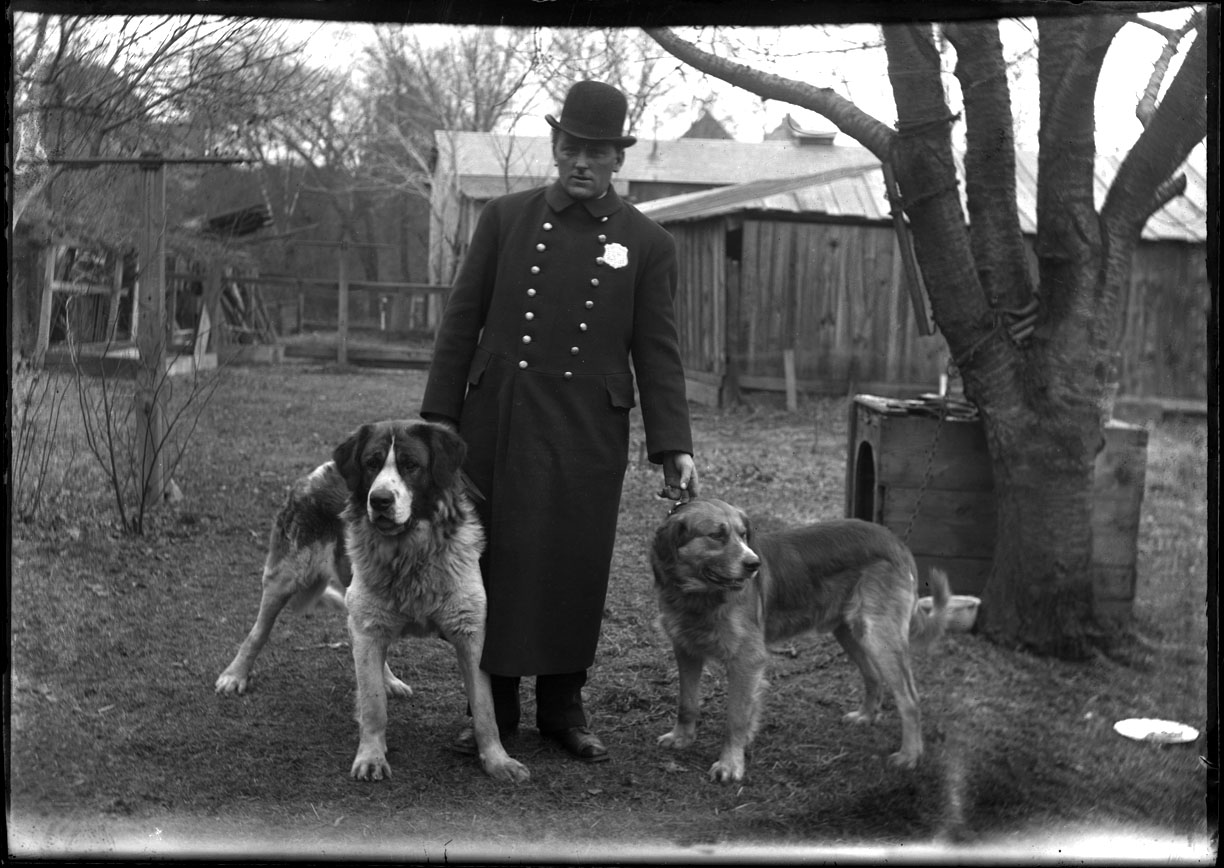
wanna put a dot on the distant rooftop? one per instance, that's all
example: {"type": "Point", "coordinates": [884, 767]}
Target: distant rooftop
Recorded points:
{"type": "Point", "coordinates": [681, 161]}
{"type": "Point", "coordinates": [857, 193]}
{"type": "Point", "coordinates": [707, 127]}
{"type": "Point", "coordinates": [779, 175]}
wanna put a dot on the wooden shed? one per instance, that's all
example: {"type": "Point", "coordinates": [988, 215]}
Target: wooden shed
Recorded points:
{"type": "Point", "coordinates": [809, 269]}
{"type": "Point", "coordinates": [470, 168]}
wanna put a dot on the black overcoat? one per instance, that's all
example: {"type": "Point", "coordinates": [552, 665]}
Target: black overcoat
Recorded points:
{"type": "Point", "coordinates": [532, 360]}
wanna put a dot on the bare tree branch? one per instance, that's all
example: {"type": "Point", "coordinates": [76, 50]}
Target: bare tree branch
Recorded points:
{"type": "Point", "coordinates": [999, 249]}
{"type": "Point", "coordinates": [1165, 193]}
{"type": "Point", "coordinates": [25, 58]}
{"type": "Point", "coordinates": [1178, 124]}
{"type": "Point", "coordinates": [926, 170]}
{"type": "Point", "coordinates": [87, 86]}
{"type": "Point", "coordinates": [617, 56]}
{"type": "Point", "coordinates": [1146, 106]}
{"type": "Point", "coordinates": [1076, 48]}
{"type": "Point", "coordinates": [845, 115]}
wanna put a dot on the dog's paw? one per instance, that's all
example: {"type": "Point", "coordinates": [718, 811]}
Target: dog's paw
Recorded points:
{"type": "Point", "coordinates": [370, 768]}
{"type": "Point", "coordinates": [727, 771]}
{"type": "Point", "coordinates": [903, 760]}
{"type": "Point", "coordinates": [396, 688]}
{"type": "Point", "coordinates": [509, 770]}
{"type": "Point", "coordinates": [859, 718]}
{"type": "Point", "coordinates": [676, 739]}
{"type": "Point", "coordinates": [229, 682]}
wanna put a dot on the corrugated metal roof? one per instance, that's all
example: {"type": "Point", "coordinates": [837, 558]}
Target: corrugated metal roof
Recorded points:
{"type": "Point", "coordinates": [858, 193]}
{"type": "Point", "coordinates": [678, 161]}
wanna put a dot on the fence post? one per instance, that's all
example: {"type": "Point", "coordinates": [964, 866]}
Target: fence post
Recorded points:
{"type": "Point", "coordinates": [116, 298]}
{"type": "Point", "coordinates": [788, 364]}
{"type": "Point", "coordinates": [151, 338]}
{"type": "Point", "coordinates": [210, 313]}
{"type": "Point", "coordinates": [48, 299]}
{"type": "Point", "coordinates": [342, 314]}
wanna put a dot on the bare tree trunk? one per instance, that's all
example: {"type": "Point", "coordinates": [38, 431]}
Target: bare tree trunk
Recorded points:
{"type": "Point", "coordinates": [1039, 594]}
{"type": "Point", "coordinates": [1042, 445]}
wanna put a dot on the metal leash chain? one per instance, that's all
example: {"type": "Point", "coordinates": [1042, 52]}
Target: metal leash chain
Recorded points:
{"type": "Point", "coordinates": [926, 476]}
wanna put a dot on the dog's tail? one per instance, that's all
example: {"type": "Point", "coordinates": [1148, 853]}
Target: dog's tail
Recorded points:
{"type": "Point", "coordinates": [926, 627]}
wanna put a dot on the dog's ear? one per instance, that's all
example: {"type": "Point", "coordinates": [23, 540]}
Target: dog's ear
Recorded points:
{"type": "Point", "coordinates": [447, 452]}
{"type": "Point", "coordinates": [663, 550]}
{"type": "Point", "coordinates": [672, 534]}
{"type": "Point", "coordinates": [347, 456]}
{"type": "Point", "coordinates": [747, 526]}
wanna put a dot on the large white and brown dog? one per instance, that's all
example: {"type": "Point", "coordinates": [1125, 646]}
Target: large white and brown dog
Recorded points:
{"type": "Point", "coordinates": [390, 518]}
{"type": "Point", "coordinates": [726, 595]}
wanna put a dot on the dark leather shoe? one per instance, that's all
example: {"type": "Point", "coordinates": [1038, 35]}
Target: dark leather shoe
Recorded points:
{"type": "Point", "coordinates": [580, 742]}
{"type": "Point", "coordinates": [465, 741]}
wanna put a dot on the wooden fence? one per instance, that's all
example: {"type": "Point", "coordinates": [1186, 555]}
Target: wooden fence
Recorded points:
{"type": "Point", "coordinates": [375, 322]}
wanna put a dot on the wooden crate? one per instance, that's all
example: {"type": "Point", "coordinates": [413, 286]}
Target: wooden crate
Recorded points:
{"type": "Point", "coordinates": [890, 455]}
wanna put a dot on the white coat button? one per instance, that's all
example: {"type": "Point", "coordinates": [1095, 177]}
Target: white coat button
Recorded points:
{"type": "Point", "coordinates": [541, 247]}
{"type": "Point", "coordinates": [590, 304]}
{"type": "Point", "coordinates": [594, 281]}
{"type": "Point", "coordinates": [535, 269]}
{"type": "Point", "coordinates": [531, 293]}
{"type": "Point", "coordinates": [581, 326]}
{"type": "Point", "coordinates": [529, 315]}
{"type": "Point", "coordinates": [603, 219]}
{"type": "Point", "coordinates": [569, 375]}
{"type": "Point", "coordinates": [599, 260]}
{"type": "Point", "coordinates": [526, 339]}
{"type": "Point", "coordinates": [573, 351]}
{"type": "Point", "coordinates": [523, 363]}
{"type": "Point", "coordinates": [603, 239]}
{"type": "Point", "coordinates": [547, 227]}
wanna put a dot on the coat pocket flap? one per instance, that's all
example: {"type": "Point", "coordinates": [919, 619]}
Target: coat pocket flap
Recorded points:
{"type": "Point", "coordinates": [620, 390]}
{"type": "Point", "coordinates": [480, 361]}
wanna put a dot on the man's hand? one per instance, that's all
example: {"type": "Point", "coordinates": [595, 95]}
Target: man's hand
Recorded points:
{"type": "Point", "coordinates": [679, 476]}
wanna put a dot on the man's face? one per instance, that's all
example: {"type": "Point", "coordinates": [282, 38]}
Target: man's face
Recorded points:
{"type": "Point", "coordinates": [585, 167]}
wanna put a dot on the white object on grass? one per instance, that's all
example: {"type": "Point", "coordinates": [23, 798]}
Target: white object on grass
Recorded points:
{"type": "Point", "coordinates": [1159, 731]}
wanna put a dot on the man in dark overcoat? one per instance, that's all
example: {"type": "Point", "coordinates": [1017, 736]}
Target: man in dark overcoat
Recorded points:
{"type": "Point", "coordinates": [560, 288]}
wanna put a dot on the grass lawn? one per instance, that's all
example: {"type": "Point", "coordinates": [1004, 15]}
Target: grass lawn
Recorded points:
{"type": "Point", "coordinates": [118, 744]}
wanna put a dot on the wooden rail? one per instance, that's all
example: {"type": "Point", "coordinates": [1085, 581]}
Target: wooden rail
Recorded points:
{"type": "Point", "coordinates": [344, 287]}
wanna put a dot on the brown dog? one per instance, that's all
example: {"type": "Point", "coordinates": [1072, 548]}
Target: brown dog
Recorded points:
{"type": "Point", "coordinates": [725, 595]}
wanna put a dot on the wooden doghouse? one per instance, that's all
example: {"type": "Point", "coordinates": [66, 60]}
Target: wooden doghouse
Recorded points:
{"type": "Point", "coordinates": [890, 457]}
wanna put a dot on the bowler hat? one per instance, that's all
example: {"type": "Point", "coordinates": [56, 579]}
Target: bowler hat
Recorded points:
{"type": "Point", "coordinates": [595, 111]}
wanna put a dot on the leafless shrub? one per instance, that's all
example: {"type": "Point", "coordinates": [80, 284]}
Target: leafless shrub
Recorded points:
{"type": "Point", "coordinates": [43, 456]}
{"type": "Point", "coordinates": [128, 448]}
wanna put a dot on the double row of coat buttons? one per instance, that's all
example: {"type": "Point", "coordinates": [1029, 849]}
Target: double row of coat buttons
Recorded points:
{"type": "Point", "coordinates": [531, 293]}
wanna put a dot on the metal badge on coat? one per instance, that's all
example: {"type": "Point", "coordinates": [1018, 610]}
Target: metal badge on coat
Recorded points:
{"type": "Point", "coordinates": [616, 255]}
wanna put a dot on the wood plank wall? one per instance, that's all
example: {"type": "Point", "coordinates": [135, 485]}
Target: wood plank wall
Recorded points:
{"type": "Point", "coordinates": [835, 293]}
{"type": "Point", "coordinates": [1164, 328]}
{"type": "Point", "coordinates": [701, 298]}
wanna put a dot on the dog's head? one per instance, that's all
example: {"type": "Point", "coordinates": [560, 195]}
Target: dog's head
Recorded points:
{"type": "Point", "coordinates": [395, 470]}
{"type": "Point", "coordinates": [704, 546]}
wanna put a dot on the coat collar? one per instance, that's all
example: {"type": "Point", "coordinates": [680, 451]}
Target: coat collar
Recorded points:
{"type": "Point", "coordinates": [559, 200]}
